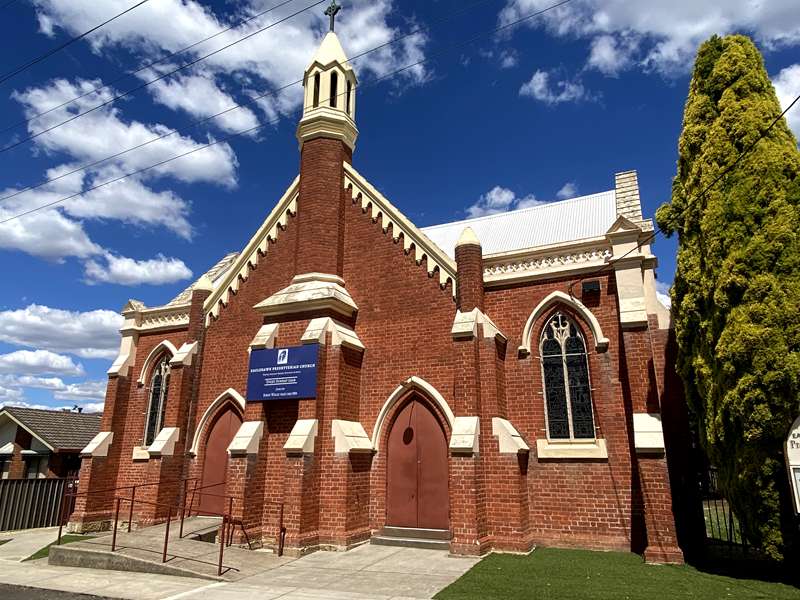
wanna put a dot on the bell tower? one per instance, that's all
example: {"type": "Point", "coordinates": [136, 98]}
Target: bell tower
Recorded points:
{"type": "Point", "coordinates": [327, 135]}
{"type": "Point", "coordinates": [329, 100]}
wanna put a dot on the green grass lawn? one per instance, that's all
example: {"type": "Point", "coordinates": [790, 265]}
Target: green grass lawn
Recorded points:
{"type": "Point", "coordinates": [552, 574]}
{"type": "Point", "coordinates": [65, 539]}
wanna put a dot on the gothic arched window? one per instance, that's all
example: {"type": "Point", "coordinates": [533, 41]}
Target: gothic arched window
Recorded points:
{"type": "Point", "coordinates": [565, 371]}
{"type": "Point", "coordinates": [158, 390]}
{"type": "Point", "coordinates": [334, 88]}
{"type": "Point", "coordinates": [316, 90]}
{"type": "Point", "coordinates": [349, 94]}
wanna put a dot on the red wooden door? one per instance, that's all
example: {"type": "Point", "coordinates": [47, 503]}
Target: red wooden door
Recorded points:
{"type": "Point", "coordinates": [215, 464]}
{"type": "Point", "coordinates": [416, 478]}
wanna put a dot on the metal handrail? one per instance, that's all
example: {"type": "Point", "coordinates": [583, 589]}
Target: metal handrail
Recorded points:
{"type": "Point", "coordinates": [227, 526]}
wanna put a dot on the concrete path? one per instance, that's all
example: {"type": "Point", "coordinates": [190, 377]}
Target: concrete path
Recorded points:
{"type": "Point", "coordinates": [366, 573]}
{"type": "Point", "coordinates": [26, 542]}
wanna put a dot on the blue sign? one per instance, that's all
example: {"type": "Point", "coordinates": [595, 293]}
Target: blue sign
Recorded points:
{"type": "Point", "coordinates": [283, 373]}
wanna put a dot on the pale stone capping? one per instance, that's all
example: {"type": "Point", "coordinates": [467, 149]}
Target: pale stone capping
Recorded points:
{"type": "Point", "coordinates": [265, 337]}
{"type": "Point", "coordinates": [164, 444]}
{"type": "Point", "coordinates": [628, 262]}
{"type": "Point", "coordinates": [208, 414]}
{"type": "Point", "coordinates": [468, 237]}
{"type": "Point", "coordinates": [465, 325]}
{"type": "Point", "coordinates": [349, 436]}
{"type": "Point", "coordinates": [7, 448]}
{"type": "Point", "coordinates": [648, 433]}
{"type": "Point", "coordinates": [301, 438]}
{"type": "Point", "coordinates": [601, 342]}
{"type": "Point", "coordinates": [184, 355]}
{"type": "Point", "coordinates": [161, 347]}
{"type": "Point", "coordinates": [508, 438]}
{"type": "Point", "coordinates": [310, 291]}
{"type": "Point", "coordinates": [412, 383]}
{"type": "Point", "coordinates": [592, 449]}
{"type": "Point", "coordinates": [175, 316]}
{"type": "Point", "coordinates": [341, 335]}
{"type": "Point", "coordinates": [99, 445]}
{"type": "Point", "coordinates": [465, 436]}
{"type": "Point", "coordinates": [381, 208]}
{"type": "Point", "coordinates": [255, 248]}
{"type": "Point", "coordinates": [247, 439]}
{"type": "Point", "coordinates": [140, 453]}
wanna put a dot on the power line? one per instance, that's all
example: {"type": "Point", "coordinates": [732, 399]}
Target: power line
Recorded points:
{"type": "Point", "coordinates": [250, 101]}
{"type": "Point", "coordinates": [7, 4]}
{"type": "Point", "coordinates": [276, 120]}
{"type": "Point", "coordinates": [703, 192]}
{"type": "Point", "coordinates": [159, 78]}
{"type": "Point", "coordinates": [38, 59]}
{"type": "Point", "coordinates": [147, 65]}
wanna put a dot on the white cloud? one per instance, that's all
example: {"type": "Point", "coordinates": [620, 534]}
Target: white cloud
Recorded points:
{"type": "Point", "coordinates": [662, 293]}
{"type": "Point", "coordinates": [540, 88]}
{"type": "Point", "coordinates": [669, 31]}
{"type": "Point", "coordinates": [200, 96]}
{"type": "Point", "coordinates": [90, 334]}
{"type": "Point", "coordinates": [787, 86]}
{"type": "Point", "coordinates": [500, 199]}
{"type": "Point", "coordinates": [9, 396]}
{"type": "Point", "coordinates": [508, 59]}
{"type": "Point", "coordinates": [82, 392]}
{"type": "Point", "coordinates": [568, 190]}
{"type": "Point", "coordinates": [39, 362]}
{"type": "Point", "coordinates": [104, 132]}
{"type": "Point", "coordinates": [277, 56]}
{"type": "Point", "coordinates": [128, 271]}
{"type": "Point", "coordinates": [610, 54]}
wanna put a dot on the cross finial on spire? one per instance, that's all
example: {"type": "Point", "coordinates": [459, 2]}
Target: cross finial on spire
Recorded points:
{"type": "Point", "coordinates": [331, 11]}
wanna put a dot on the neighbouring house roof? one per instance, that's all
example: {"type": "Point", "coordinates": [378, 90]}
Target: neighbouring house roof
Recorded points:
{"type": "Point", "coordinates": [542, 225]}
{"type": "Point", "coordinates": [57, 429]}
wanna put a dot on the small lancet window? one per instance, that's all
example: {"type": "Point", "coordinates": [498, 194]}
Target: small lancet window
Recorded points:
{"type": "Point", "coordinates": [349, 94]}
{"type": "Point", "coordinates": [316, 90]}
{"type": "Point", "coordinates": [159, 388]}
{"type": "Point", "coordinates": [565, 372]}
{"type": "Point", "coordinates": [334, 88]}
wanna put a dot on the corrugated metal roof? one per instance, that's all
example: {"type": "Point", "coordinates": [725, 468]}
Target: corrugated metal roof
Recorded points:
{"type": "Point", "coordinates": [215, 274]}
{"type": "Point", "coordinates": [550, 223]}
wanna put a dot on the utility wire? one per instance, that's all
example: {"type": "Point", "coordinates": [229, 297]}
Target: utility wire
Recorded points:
{"type": "Point", "coordinates": [38, 59]}
{"type": "Point", "coordinates": [250, 101]}
{"type": "Point", "coordinates": [7, 4]}
{"type": "Point", "coordinates": [159, 78]}
{"type": "Point", "coordinates": [276, 120]}
{"type": "Point", "coordinates": [146, 65]}
{"type": "Point", "coordinates": [702, 193]}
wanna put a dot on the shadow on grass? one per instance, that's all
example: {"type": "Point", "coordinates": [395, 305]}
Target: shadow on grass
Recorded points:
{"type": "Point", "coordinates": [739, 563]}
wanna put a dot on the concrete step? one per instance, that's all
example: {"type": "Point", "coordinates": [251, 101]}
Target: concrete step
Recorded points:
{"type": "Point", "coordinates": [416, 532]}
{"type": "Point", "coordinates": [141, 551]}
{"type": "Point", "coordinates": [410, 542]}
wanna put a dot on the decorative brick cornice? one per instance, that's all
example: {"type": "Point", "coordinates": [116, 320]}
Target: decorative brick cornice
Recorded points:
{"type": "Point", "coordinates": [252, 253]}
{"type": "Point", "coordinates": [372, 200]}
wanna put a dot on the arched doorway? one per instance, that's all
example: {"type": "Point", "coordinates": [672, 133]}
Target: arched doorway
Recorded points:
{"type": "Point", "coordinates": [417, 472]}
{"type": "Point", "coordinates": [215, 463]}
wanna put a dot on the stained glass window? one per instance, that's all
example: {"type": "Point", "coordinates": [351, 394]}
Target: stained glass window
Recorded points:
{"type": "Point", "coordinates": [159, 388]}
{"type": "Point", "coordinates": [565, 372]}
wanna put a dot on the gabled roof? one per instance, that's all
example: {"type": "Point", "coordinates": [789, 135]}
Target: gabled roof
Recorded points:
{"type": "Point", "coordinates": [215, 274]}
{"type": "Point", "coordinates": [551, 223]}
{"type": "Point", "coordinates": [56, 429]}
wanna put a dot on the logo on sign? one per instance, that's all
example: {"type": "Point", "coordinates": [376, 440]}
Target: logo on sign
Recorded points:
{"type": "Point", "coordinates": [283, 356]}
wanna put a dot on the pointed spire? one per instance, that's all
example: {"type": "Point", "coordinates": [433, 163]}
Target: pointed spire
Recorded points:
{"type": "Point", "coordinates": [468, 237]}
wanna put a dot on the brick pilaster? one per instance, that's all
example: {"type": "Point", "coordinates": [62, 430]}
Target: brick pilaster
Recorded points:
{"type": "Point", "coordinates": [469, 262]}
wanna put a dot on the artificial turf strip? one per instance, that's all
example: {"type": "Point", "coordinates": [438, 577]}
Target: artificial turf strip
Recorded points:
{"type": "Point", "coordinates": [65, 539]}
{"type": "Point", "coordinates": [552, 574]}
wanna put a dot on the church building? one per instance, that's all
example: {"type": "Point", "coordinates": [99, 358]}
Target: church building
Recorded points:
{"type": "Point", "coordinates": [348, 377]}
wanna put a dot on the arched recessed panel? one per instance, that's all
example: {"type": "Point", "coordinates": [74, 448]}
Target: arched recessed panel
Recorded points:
{"type": "Point", "coordinates": [600, 341]}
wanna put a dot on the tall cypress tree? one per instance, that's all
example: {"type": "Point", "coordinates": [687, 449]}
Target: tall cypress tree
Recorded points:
{"type": "Point", "coordinates": [736, 296]}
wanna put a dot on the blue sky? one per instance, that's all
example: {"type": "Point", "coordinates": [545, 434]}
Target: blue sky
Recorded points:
{"type": "Point", "coordinates": [550, 108]}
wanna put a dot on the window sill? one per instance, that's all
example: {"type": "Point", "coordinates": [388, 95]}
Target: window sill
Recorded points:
{"type": "Point", "coordinates": [140, 453]}
{"type": "Point", "coordinates": [594, 450]}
